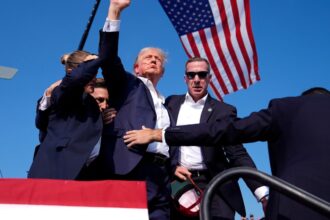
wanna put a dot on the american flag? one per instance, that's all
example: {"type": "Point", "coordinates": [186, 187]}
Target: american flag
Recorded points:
{"type": "Point", "coordinates": [219, 30]}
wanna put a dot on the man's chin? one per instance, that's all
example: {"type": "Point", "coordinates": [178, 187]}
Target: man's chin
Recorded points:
{"type": "Point", "coordinates": [153, 71]}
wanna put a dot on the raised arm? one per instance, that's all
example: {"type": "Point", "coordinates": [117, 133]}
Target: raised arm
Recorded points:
{"type": "Point", "coordinates": [112, 69]}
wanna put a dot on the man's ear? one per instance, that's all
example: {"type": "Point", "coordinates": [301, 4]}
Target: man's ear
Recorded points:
{"type": "Point", "coordinates": [136, 68]}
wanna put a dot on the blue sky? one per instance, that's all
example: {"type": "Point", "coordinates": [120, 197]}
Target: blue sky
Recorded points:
{"type": "Point", "coordinates": [292, 38]}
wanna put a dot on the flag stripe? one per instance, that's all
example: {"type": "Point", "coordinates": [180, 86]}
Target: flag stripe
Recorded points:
{"type": "Point", "coordinates": [215, 90]}
{"type": "Point", "coordinates": [250, 36]}
{"type": "Point", "coordinates": [211, 60]}
{"type": "Point", "coordinates": [239, 37]}
{"type": "Point", "coordinates": [114, 193]}
{"type": "Point", "coordinates": [224, 22]}
{"type": "Point", "coordinates": [231, 72]}
{"type": "Point", "coordinates": [192, 44]}
{"type": "Point", "coordinates": [223, 59]}
{"type": "Point", "coordinates": [228, 8]}
{"type": "Point", "coordinates": [186, 46]}
{"type": "Point", "coordinates": [217, 59]}
{"type": "Point", "coordinates": [247, 43]}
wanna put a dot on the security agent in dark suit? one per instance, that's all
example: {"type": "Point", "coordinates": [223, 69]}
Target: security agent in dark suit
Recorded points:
{"type": "Point", "coordinates": [74, 125]}
{"type": "Point", "coordinates": [297, 132]}
{"type": "Point", "coordinates": [200, 162]}
{"type": "Point", "coordinates": [73, 114]}
{"type": "Point", "coordinates": [138, 104]}
{"type": "Point", "coordinates": [100, 93]}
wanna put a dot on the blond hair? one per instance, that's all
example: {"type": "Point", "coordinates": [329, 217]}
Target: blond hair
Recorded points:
{"type": "Point", "coordinates": [72, 60]}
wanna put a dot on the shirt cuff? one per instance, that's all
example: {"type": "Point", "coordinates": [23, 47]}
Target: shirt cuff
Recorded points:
{"type": "Point", "coordinates": [111, 25]}
{"type": "Point", "coordinates": [44, 102]}
{"type": "Point", "coordinates": [261, 192]}
{"type": "Point", "coordinates": [163, 136]}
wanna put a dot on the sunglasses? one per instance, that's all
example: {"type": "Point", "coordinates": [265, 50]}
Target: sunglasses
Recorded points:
{"type": "Point", "coordinates": [101, 100]}
{"type": "Point", "coordinates": [201, 74]}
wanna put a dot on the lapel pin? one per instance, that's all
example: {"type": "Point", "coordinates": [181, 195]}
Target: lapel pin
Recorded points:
{"type": "Point", "coordinates": [209, 109]}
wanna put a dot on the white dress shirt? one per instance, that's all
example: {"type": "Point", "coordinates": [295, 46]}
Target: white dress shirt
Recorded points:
{"type": "Point", "coordinates": [163, 119]}
{"type": "Point", "coordinates": [190, 113]}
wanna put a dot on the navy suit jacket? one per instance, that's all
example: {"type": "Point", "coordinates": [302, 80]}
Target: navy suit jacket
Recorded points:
{"type": "Point", "coordinates": [215, 158]}
{"type": "Point", "coordinates": [135, 108]}
{"type": "Point", "coordinates": [74, 124]}
{"type": "Point", "coordinates": [297, 132]}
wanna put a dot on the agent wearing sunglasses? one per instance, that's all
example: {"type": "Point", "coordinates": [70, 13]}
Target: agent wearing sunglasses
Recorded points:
{"type": "Point", "coordinates": [202, 163]}
{"type": "Point", "coordinates": [197, 78]}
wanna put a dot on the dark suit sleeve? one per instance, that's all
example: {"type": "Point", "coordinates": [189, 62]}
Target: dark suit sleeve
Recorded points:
{"type": "Point", "coordinates": [113, 70]}
{"type": "Point", "coordinates": [70, 91]}
{"type": "Point", "coordinates": [238, 157]}
{"type": "Point", "coordinates": [256, 127]}
{"type": "Point", "coordinates": [72, 85]}
{"type": "Point", "coordinates": [41, 121]}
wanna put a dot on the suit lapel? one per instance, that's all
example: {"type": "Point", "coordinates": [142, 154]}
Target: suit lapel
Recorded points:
{"type": "Point", "coordinates": [175, 108]}
{"type": "Point", "coordinates": [207, 110]}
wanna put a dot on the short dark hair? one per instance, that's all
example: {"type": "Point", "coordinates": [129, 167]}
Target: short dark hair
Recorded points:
{"type": "Point", "coordinates": [198, 59]}
{"type": "Point", "coordinates": [316, 90]}
{"type": "Point", "coordinates": [100, 83]}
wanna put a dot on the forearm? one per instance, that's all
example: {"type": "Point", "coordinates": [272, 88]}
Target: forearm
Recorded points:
{"type": "Point", "coordinates": [157, 135]}
{"type": "Point", "coordinates": [113, 12]}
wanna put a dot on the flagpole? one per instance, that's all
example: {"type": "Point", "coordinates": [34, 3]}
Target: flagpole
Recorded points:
{"type": "Point", "coordinates": [89, 24]}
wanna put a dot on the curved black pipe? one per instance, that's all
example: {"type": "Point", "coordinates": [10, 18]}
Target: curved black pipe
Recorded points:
{"type": "Point", "coordinates": [281, 186]}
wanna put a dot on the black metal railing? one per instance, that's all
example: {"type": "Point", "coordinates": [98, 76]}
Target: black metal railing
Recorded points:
{"type": "Point", "coordinates": [279, 185]}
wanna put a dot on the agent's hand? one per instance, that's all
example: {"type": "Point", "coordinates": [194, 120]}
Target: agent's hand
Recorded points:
{"type": "Point", "coordinates": [51, 88]}
{"type": "Point", "coordinates": [109, 115]}
{"type": "Point", "coordinates": [182, 172]}
{"type": "Point", "coordinates": [144, 136]}
{"type": "Point", "coordinates": [90, 57]}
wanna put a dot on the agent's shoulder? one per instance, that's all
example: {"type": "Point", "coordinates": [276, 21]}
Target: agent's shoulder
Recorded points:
{"type": "Point", "coordinates": [221, 104]}
{"type": "Point", "coordinates": [174, 98]}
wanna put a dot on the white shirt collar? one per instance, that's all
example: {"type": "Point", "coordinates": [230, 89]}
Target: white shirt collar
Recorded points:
{"type": "Point", "coordinates": [189, 99]}
{"type": "Point", "coordinates": [151, 87]}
